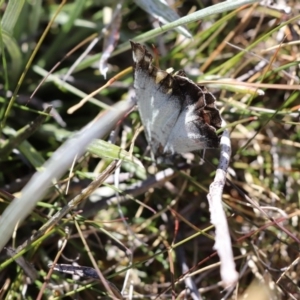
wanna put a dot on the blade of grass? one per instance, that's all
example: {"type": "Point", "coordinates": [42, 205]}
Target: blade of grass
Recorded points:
{"type": "Point", "coordinates": [14, 96]}
{"type": "Point", "coordinates": [8, 22]}
{"type": "Point", "coordinates": [75, 10]}
{"type": "Point", "coordinates": [223, 68]}
{"type": "Point", "coordinates": [22, 134]}
{"type": "Point", "coordinates": [55, 167]}
{"type": "Point", "coordinates": [11, 15]}
{"type": "Point", "coordinates": [14, 52]}
{"type": "Point", "coordinates": [194, 17]}
{"type": "Point", "coordinates": [105, 149]}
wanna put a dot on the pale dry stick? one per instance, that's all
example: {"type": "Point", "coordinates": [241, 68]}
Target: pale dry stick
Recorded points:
{"type": "Point", "coordinates": [276, 209]}
{"type": "Point", "coordinates": [265, 111]}
{"type": "Point", "coordinates": [82, 56]}
{"type": "Point", "coordinates": [70, 175]}
{"type": "Point", "coordinates": [294, 263]}
{"type": "Point", "coordinates": [253, 84]}
{"type": "Point", "coordinates": [282, 45]}
{"type": "Point", "coordinates": [222, 245]}
{"type": "Point", "coordinates": [112, 35]}
{"type": "Point", "coordinates": [130, 294]}
{"type": "Point", "coordinates": [14, 235]}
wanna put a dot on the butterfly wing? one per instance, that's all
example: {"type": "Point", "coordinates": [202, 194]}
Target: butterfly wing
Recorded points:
{"type": "Point", "coordinates": [159, 109]}
{"type": "Point", "coordinates": [178, 115]}
{"type": "Point", "coordinates": [196, 126]}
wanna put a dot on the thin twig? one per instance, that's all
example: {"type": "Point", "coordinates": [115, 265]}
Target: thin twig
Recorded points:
{"type": "Point", "coordinates": [218, 218]}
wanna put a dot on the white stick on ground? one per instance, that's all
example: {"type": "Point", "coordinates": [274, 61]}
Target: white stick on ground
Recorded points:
{"type": "Point", "coordinates": [222, 245]}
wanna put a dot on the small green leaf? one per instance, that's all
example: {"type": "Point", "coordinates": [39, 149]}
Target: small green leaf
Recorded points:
{"type": "Point", "coordinates": [107, 150]}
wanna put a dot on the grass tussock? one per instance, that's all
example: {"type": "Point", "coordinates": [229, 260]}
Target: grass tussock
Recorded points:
{"type": "Point", "coordinates": [144, 228]}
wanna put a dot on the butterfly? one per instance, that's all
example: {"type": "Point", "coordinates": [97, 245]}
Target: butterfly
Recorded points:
{"type": "Point", "coordinates": [178, 115]}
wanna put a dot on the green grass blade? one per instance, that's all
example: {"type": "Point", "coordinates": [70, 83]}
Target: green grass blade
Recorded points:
{"type": "Point", "coordinates": [11, 15]}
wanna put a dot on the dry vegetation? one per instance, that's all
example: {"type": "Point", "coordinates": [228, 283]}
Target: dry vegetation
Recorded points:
{"type": "Point", "coordinates": [158, 225]}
